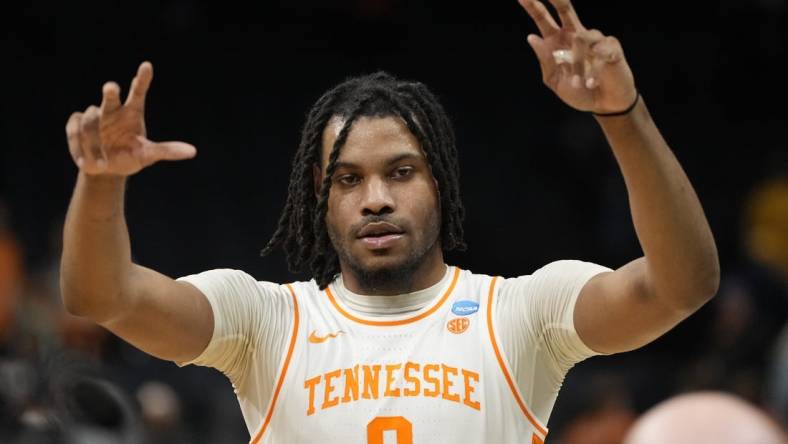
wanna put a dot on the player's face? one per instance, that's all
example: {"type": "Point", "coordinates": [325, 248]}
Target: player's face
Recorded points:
{"type": "Point", "coordinates": [383, 214]}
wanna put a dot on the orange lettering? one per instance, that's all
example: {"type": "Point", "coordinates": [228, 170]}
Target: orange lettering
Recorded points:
{"type": "Point", "coordinates": [434, 381]}
{"type": "Point", "coordinates": [415, 380]}
{"type": "Point", "coordinates": [467, 375]}
{"type": "Point", "coordinates": [447, 383]}
{"type": "Point", "coordinates": [310, 384]}
{"type": "Point", "coordinates": [371, 381]}
{"type": "Point", "coordinates": [351, 384]}
{"type": "Point", "coordinates": [390, 369]}
{"type": "Point", "coordinates": [328, 388]}
{"type": "Point", "coordinates": [412, 379]}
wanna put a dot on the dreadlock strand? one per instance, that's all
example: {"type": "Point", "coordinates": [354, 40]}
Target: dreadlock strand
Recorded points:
{"type": "Point", "coordinates": [442, 161]}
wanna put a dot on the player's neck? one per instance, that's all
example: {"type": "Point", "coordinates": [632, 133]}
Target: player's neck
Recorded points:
{"type": "Point", "coordinates": [427, 274]}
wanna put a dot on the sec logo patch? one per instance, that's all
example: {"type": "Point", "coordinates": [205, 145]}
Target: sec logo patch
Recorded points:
{"type": "Point", "coordinates": [458, 325]}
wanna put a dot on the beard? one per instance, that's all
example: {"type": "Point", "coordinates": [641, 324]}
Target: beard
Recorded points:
{"type": "Point", "coordinates": [395, 278]}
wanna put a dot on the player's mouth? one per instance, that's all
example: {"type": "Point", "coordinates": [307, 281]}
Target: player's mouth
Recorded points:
{"type": "Point", "coordinates": [380, 235]}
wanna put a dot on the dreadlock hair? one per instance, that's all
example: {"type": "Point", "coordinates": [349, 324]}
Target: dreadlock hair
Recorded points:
{"type": "Point", "coordinates": [302, 231]}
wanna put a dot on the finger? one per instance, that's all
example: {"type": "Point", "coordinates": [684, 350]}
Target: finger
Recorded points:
{"type": "Point", "coordinates": [89, 138]}
{"type": "Point", "coordinates": [608, 49]}
{"type": "Point", "coordinates": [541, 16]}
{"type": "Point", "coordinates": [72, 136]}
{"type": "Point", "coordinates": [592, 36]}
{"type": "Point", "coordinates": [603, 52]}
{"type": "Point", "coordinates": [579, 49]}
{"type": "Point", "coordinates": [583, 41]}
{"type": "Point", "coordinates": [155, 151]}
{"type": "Point", "coordinates": [567, 14]}
{"type": "Point", "coordinates": [540, 49]}
{"type": "Point", "coordinates": [110, 100]}
{"type": "Point", "coordinates": [176, 150]}
{"type": "Point", "coordinates": [139, 86]}
{"type": "Point", "coordinates": [594, 67]}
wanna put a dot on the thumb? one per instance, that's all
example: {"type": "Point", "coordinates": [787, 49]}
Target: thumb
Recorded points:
{"type": "Point", "coordinates": [537, 44]}
{"type": "Point", "coordinates": [174, 150]}
{"type": "Point", "coordinates": [542, 55]}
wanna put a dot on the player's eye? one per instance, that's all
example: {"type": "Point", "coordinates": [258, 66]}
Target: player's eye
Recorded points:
{"type": "Point", "coordinates": [348, 179]}
{"type": "Point", "coordinates": [402, 172]}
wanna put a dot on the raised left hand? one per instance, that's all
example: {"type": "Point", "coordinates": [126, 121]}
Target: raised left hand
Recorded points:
{"type": "Point", "coordinates": [584, 68]}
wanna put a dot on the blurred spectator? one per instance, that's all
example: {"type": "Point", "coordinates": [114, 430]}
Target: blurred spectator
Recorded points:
{"type": "Point", "coordinates": [63, 400]}
{"type": "Point", "coordinates": [705, 418]}
{"type": "Point", "coordinates": [776, 390]}
{"type": "Point", "coordinates": [161, 412]}
{"type": "Point", "coordinates": [10, 276]}
{"type": "Point", "coordinates": [64, 379]}
{"type": "Point", "coordinates": [606, 422]}
{"type": "Point", "coordinates": [766, 226]}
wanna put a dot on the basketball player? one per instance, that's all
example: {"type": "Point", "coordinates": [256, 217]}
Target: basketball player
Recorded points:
{"type": "Point", "coordinates": [387, 342]}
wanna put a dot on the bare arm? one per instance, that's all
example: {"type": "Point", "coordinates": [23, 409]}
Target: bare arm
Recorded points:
{"type": "Point", "coordinates": [679, 272]}
{"type": "Point", "coordinates": [168, 319]}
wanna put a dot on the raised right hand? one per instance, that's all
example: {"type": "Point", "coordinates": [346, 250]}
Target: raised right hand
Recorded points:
{"type": "Point", "coordinates": [111, 140]}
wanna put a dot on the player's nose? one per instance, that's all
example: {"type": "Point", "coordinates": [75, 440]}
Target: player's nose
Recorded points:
{"type": "Point", "coordinates": [377, 198]}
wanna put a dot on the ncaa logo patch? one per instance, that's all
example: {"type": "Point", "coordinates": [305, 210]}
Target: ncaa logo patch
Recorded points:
{"type": "Point", "coordinates": [464, 308]}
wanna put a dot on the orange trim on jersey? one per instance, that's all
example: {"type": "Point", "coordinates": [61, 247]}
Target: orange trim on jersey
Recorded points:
{"type": "Point", "coordinates": [398, 322]}
{"type": "Point", "coordinates": [284, 369]}
{"type": "Point", "coordinates": [501, 363]}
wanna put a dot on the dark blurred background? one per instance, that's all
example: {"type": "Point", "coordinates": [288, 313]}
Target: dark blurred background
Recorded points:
{"type": "Point", "coordinates": [539, 184]}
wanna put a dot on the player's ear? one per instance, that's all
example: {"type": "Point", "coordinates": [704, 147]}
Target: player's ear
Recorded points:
{"type": "Point", "coordinates": [317, 178]}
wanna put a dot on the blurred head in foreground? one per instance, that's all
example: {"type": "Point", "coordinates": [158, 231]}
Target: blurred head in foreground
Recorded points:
{"type": "Point", "coordinates": [705, 418]}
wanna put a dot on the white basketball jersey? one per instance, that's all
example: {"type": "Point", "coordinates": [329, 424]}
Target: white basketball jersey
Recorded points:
{"type": "Point", "coordinates": [436, 375]}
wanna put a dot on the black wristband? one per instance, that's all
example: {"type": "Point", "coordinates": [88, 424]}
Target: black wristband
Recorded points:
{"type": "Point", "coordinates": [621, 113]}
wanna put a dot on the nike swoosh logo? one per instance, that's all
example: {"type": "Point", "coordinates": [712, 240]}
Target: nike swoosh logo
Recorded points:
{"type": "Point", "coordinates": [315, 339]}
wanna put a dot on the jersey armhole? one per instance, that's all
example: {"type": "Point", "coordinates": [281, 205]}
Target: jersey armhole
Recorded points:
{"type": "Point", "coordinates": [200, 356]}
{"type": "Point", "coordinates": [283, 369]}
{"type": "Point", "coordinates": [504, 365]}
